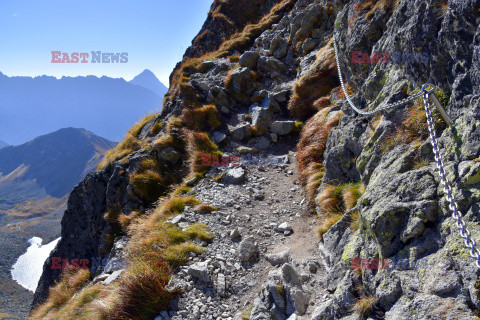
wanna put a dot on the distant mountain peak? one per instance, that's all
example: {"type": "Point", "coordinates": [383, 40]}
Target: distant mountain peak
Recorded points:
{"type": "Point", "coordinates": [3, 144]}
{"type": "Point", "coordinates": [148, 80]}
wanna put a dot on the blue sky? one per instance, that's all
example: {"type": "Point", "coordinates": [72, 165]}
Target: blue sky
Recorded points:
{"type": "Point", "coordinates": [155, 33]}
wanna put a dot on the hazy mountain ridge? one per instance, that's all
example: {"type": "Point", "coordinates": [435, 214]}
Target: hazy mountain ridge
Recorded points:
{"type": "Point", "coordinates": [3, 144]}
{"type": "Point", "coordinates": [149, 81]}
{"type": "Point", "coordinates": [106, 106]}
{"type": "Point", "coordinates": [50, 165]}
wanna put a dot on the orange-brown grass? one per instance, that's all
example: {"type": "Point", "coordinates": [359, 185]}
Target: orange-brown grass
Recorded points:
{"type": "Point", "coordinates": [414, 128]}
{"type": "Point", "coordinates": [364, 304]}
{"type": "Point", "coordinates": [199, 144]}
{"type": "Point", "coordinates": [234, 58]}
{"type": "Point", "coordinates": [142, 292]}
{"type": "Point", "coordinates": [387, 6]}
{"type": "Point", "coordinates": [126, 219]}
{"type": "Point", "coordinates": [155, 129]}
{"type": "Point", "coordinates": [326, 222]}
{"type": "Point", "coordinates": [311, 145]}
{"type": "Point", "coordinates": [129, 144]}
{"type": "Point", "coordinates": [330, 199]}
{"type": "Point", "coordinates": [341, 198]}
{"type": "Point", "coordinates": [150, 184]}
{"type": "Point", "coordinates": [351, 193]}
{"type": "Point", "coordinates": [155, 248]}
{"type": "Point", "coordinates": [163, 142]}
{"type": "Point", "coordinates": [322, 103]}
{"type": "Point", "coordinates": [315, 84]}
{"type": "Point", "coordinates": [314, 172]}
{"type": "Point", "coordinates": [201, 119]}
{"type": "Point", "coordinates": [206, 208]}
{"type": "Point", "coordinates": [355, 221]}
{"type": "Point", "coordinates": [442, 7]}
{"type": "Point", "coordinates": [70, 282]}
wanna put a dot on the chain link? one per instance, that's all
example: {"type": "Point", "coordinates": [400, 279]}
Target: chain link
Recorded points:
{"type": "Point", "coordinates": [350, 102]}
{"type": "Point", "coordinates": [447, 188]}
{"type": "Point", "coordinates": [457, 215]}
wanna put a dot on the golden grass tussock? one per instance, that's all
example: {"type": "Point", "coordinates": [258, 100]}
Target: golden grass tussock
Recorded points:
{"type": "Point", "coordinates": [155, 129]}
{"type": "Point", "coordinates": [142, 292]}
{"type": "Point", "coordinates": [326, 222]}
{"type": "Point", "coordinates": [414, 127]}
{"type": "Point", "coordinates": [315, 84]}
{"type": "Point", "coordinates": [334, 200]}
{"type": "Point", "coordinates": [149, 183]}
{"type": "Point", "coordinates": [155, 248]}
{"type": "Point", "coordinates": [205, 208]}
{"type": "Point", "coordinates": [70, 282]}
{"type": "Point", "coordinates": [312, 142]}
{"type": "Point", "coordinates": [364, 304]}
{"type": "Point", "coordinates": [330, 199]}
{"type": "Point", "coordinates": [388, 6]}
{"type": "Point", "coordinates": [200, 144]}
{"type": "Point", "coordinates": [351, 193]}
{"type": "Point", "coordinates": [201, 119]}
{"type": "Point", "coordinates": [129, 144]}
{"type": "Point", "coordinates": [339, 198]}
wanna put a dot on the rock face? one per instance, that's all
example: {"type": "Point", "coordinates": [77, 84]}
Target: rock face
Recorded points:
{"type": "Point", "coordinates": [395, 253]}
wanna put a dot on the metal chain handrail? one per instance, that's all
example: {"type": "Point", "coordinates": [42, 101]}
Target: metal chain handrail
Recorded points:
{"type": "Point", "coordinates": [457, 215]}
{"type": "Point", "coordinates": [350, 102]}
{"type": "Point", "coordinates": [447, 188]}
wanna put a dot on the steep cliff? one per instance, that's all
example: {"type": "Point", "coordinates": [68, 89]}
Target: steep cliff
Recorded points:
{"type": "Point", "coordinates": [371, 180]}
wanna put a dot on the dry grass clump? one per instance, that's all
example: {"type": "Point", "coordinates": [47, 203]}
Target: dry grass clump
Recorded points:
{"type": "Point", "coordinates": [351, 193]}
{"type": "Point", "coordinates": [234, 58]}
{"type": "Point", "coordinates": [126, 219]}
{"type": "Point", "coordinates": [314, 173]}
{"type": "Point", "coordinates": [330, 199]}
{"type": "Point", "coordinates": [163, 142]}
{"type": "Point", "coordinates": [311, 146]}
{"type": "Point", "coordinates": [355, 221]}
{"type": "Point", "coordinates": [184, 189]}
{"type": "Point", "coordinates": [442, 6]}
{"type": "Point", "coordinates": [148, 181]}
{"type": "Point", "coordinates": [155, 129]}
{"type": "Point", "coordinates": [205, 208]}
{"type": "Point", "coordinates": [128, 145]}
{"type": "Point", "coordinates": [327, 221]}
{"type": "Point", "coordinates": [334, 201]}
{"type": "Point", "coordinates": [155, 248]}
{"type": "Point", "coordinates": [414, 127]}
{"type": "Point", "coordinates": [315, 84]}
{"type": "Point", "coordinates": [201, 119]}
{"type": "Point", "coordinates": [364, 304]}
{"type": "Point", "coordinates": [341, 198]}
{"type": "Point", "coordinates": [69, 283]}
{"type": "Point", "coordinates": [388, 6]}
{"type": "Point", "coordinates": [199, 144]}
{"type": "Point", "coordinates": [141, 293]}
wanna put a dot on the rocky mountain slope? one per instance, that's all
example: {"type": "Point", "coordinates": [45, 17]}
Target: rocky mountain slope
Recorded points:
{"type": "Point", "coordinates": [195, 211]}
{"type": "Point", "coordinates": [47, 168]}
{"type": "Point", "coordinates": [35, 180]}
